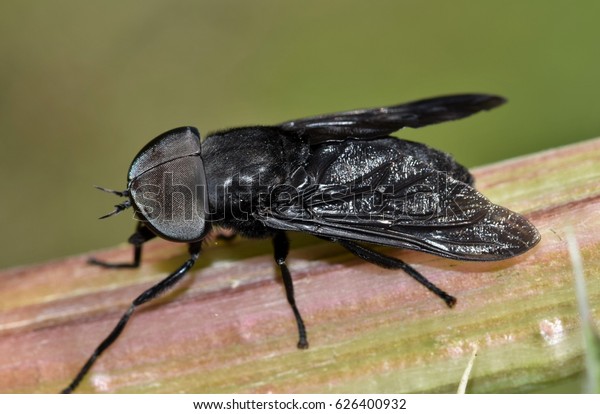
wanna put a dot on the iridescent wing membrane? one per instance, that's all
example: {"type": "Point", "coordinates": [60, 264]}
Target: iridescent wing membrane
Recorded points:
{"type": "Point", "coordinates": [384, 190]}
{"type": "Point", "coordinates": [380, 122]}
{"type": "Point", "coordinates": [373, 193]}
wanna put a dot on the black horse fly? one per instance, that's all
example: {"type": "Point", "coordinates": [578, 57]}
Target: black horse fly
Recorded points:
{"type": "Point", "coordinates": [340, 177]}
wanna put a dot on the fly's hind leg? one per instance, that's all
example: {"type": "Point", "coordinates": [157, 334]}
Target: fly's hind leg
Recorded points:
{"type": "Point", "coordinates": [388, 262]}
{"type": "Point", "coordinates": [142, 235]}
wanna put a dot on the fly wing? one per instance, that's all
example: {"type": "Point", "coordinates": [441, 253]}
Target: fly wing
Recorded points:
{"type": "Point", "coordinates": [367, 191]}
{"type": "Point", "coordinates": [379, 122]}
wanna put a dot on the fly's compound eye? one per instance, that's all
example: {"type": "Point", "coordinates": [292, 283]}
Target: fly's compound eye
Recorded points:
{"type": "Point", "coordinates": [167, 186]}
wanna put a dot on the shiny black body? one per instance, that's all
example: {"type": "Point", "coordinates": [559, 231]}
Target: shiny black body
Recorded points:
{"type": "Point", "coordinates": [242, 177]}
{"type": "Point", "coordinates": [244, 192]}
{"type": "Point", "coordinates": [340, 177]}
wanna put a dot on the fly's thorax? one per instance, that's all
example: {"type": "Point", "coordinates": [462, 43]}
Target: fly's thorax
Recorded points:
{"type": "Point", "coordinates": [243, 168]}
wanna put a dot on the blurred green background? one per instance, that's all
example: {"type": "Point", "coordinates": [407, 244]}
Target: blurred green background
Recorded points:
{"type": "Point", "coordinates": [84, 85]}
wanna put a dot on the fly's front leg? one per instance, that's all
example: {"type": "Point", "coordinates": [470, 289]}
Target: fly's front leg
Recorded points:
{"type": "Point", "coordinates": [146, 296]}
{"type": "Point", "coordinates": [142, 235]}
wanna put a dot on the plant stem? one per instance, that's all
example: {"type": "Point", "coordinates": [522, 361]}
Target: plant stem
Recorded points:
{"type": "Point", "coordinates": [229, 327]}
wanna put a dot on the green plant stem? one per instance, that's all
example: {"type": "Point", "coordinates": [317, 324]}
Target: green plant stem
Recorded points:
{"type": "Point", "coordinates": [228, 327]}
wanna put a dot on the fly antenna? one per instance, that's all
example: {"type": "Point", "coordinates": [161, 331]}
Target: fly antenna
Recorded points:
{"type": "Point", "coordinates": [118, 208]}
{"type": "Point", "coordinates": [124, 193]}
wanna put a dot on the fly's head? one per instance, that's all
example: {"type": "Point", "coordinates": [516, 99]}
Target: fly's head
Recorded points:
{"type": "Point", "coordinates": [167, 186]}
